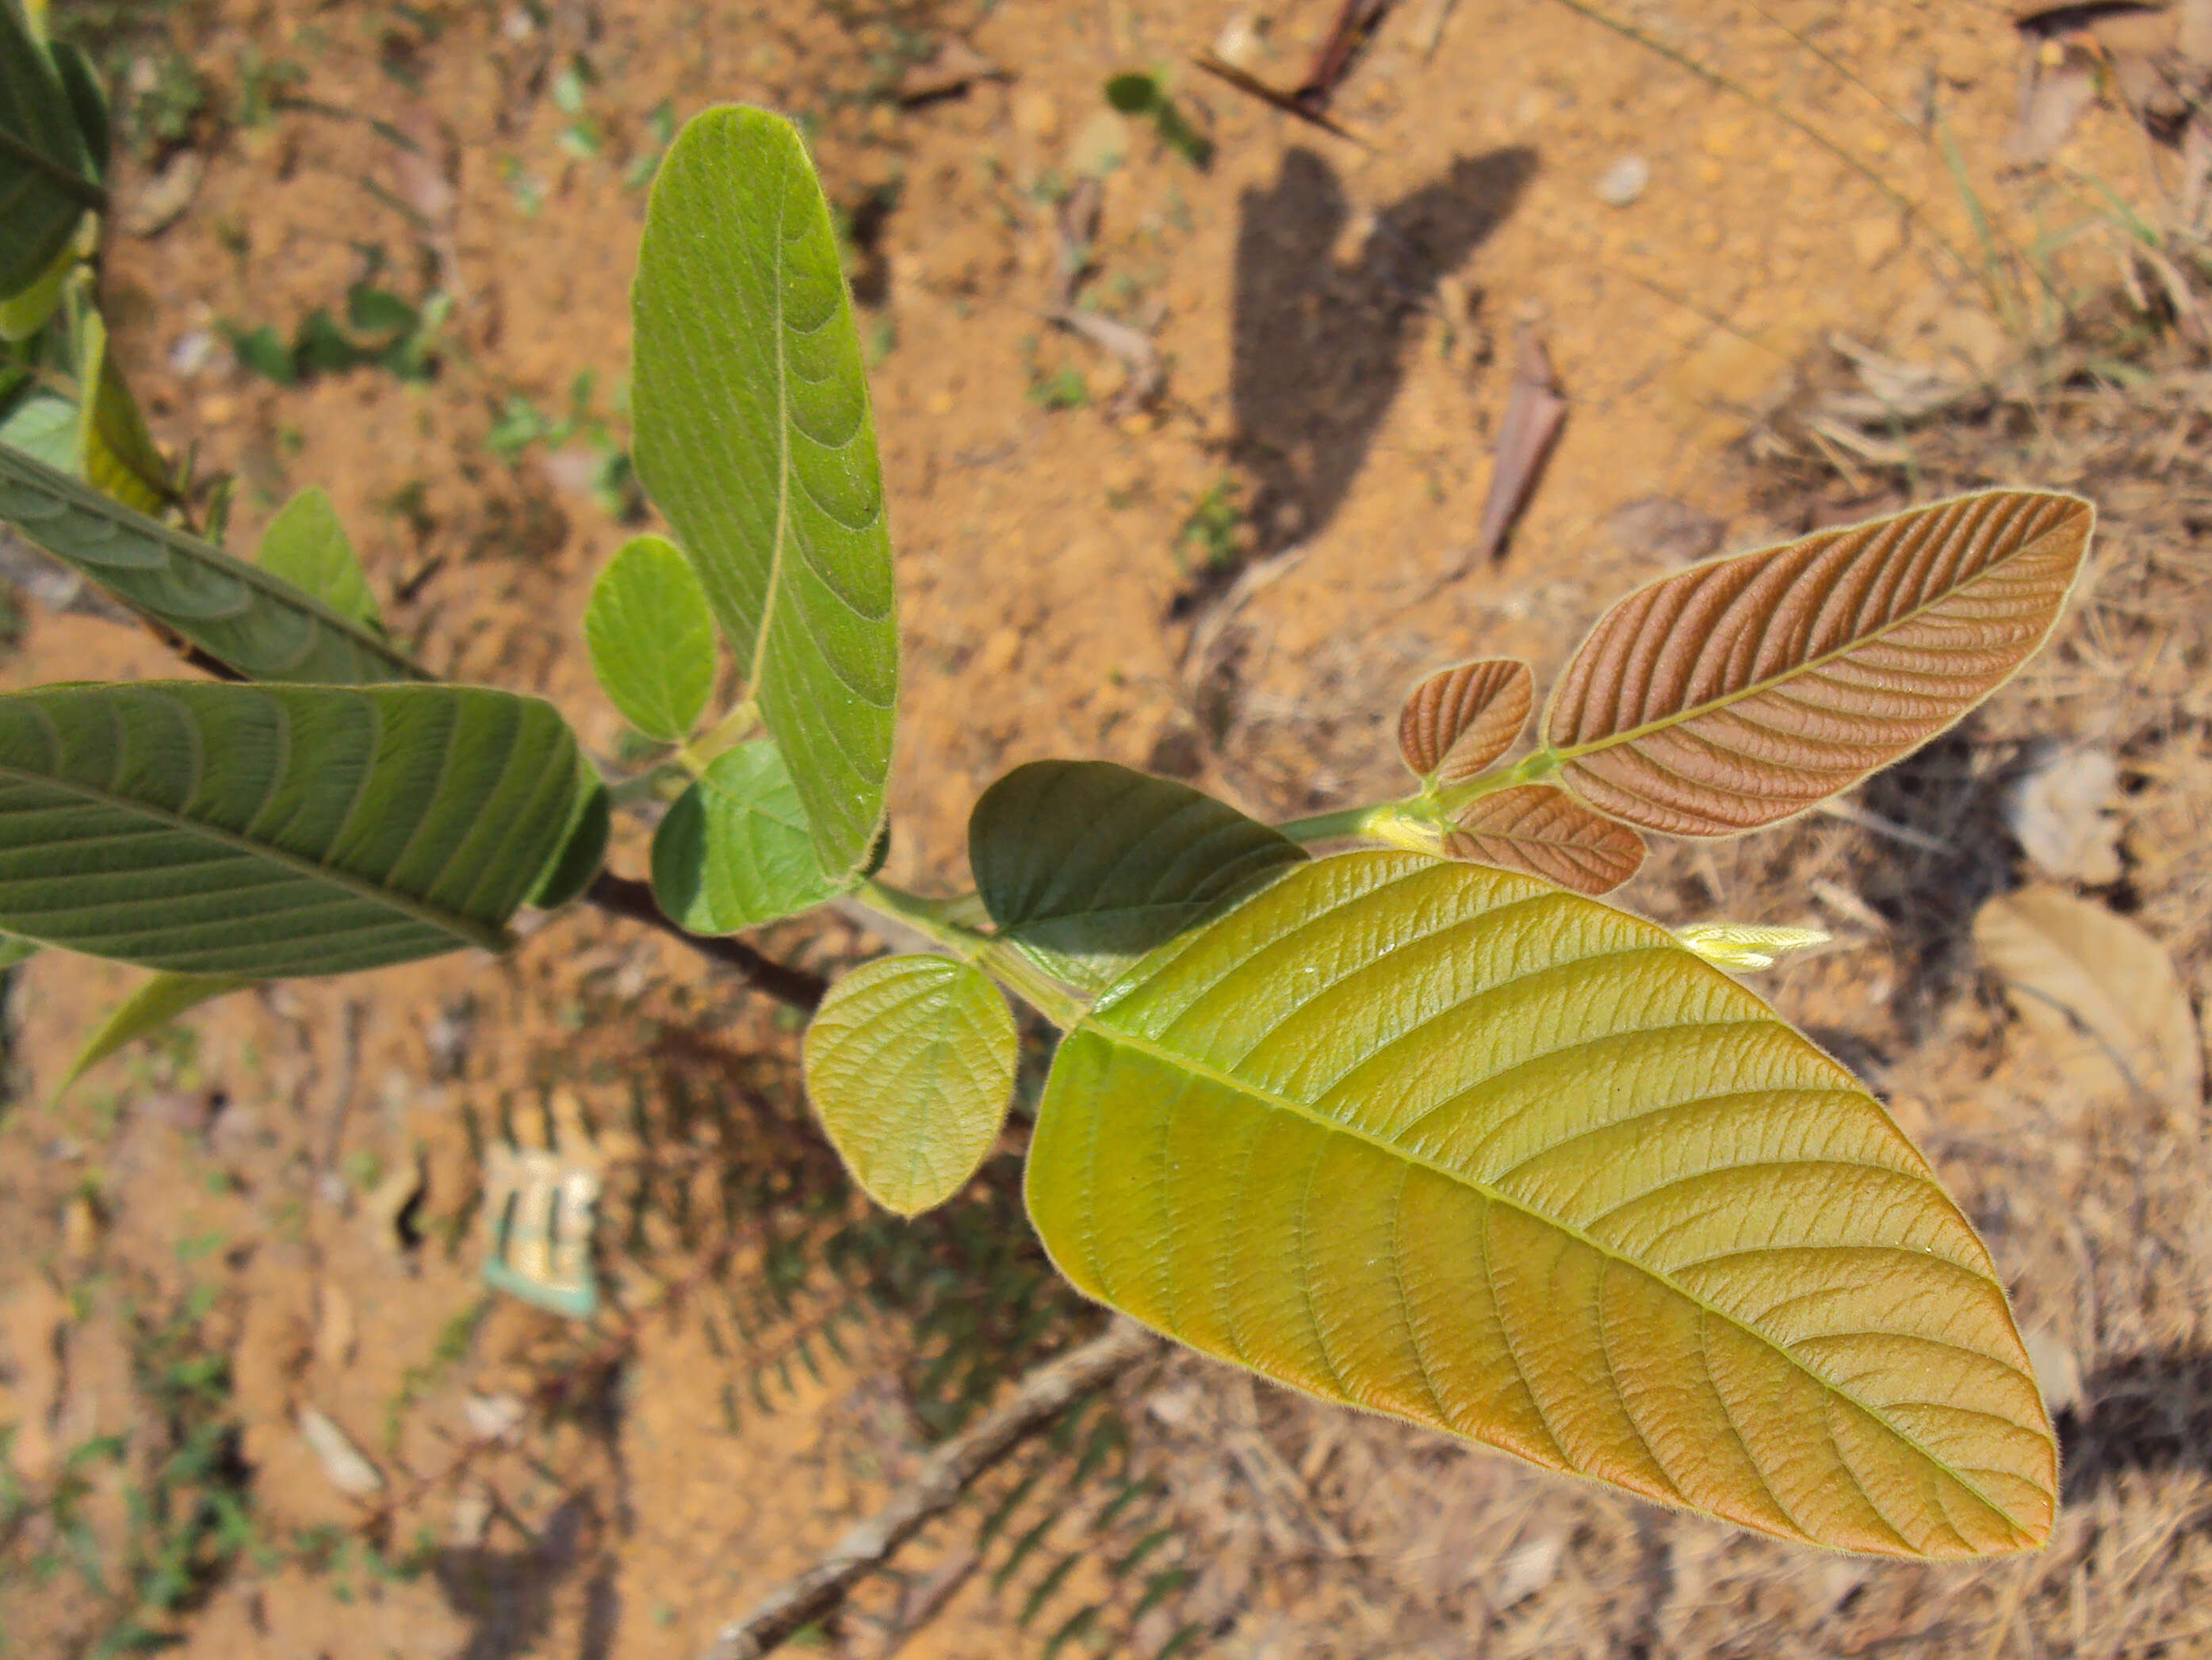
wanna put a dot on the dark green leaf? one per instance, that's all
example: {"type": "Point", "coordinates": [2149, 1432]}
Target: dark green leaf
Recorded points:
{"type": "Point", "coordinates": [271, 830]}
{"type": "Point", "coordinates": [46, 179]}
{"type": "Point", "coordinates": [583, 849]}
{"type": "Point", "coordinates": [264, 352]}
{"type": "Point", "coordinates": [733, 852]}
{"type": "Point", "coordinates": [754, 437]}
{"type": "Point", "coordinates": [1134, 93]}
{"type": "Point", "coordinates": [1087, 866]}
{"type": "Point", "coordinates": [87, 102]}
{"type": "Point", "coordinates": [239, 614]}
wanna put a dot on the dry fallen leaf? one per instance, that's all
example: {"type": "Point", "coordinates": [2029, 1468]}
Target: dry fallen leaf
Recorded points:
{"type": "Point", "coordinates": [2060, 810]}
{"type": "Point", "coordinates": [2057, 1372]}
{"type": "Point", "coordinates": [349, 1471]}
{"type": "Point", "coordinates": [335, 1330]}
{"type": "Point", "coordinates": [1131, 347]}
{"type": "Point", "coordinates": [2101, 995]}
{"type": "Point", "coordinates": [1659, 527]}
{"type": "Point", "coordinates": [161, 199]}
{"type": "Point", "coordinates": [1536, 410]}
{"type": "Point", "coordinates": [952, 69]}
{"type": "Point", "coordinates": [1527, 1569]}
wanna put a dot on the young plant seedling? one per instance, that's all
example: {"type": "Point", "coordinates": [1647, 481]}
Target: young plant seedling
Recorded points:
{"type": "Point", "coordinates": [1429, 1129]}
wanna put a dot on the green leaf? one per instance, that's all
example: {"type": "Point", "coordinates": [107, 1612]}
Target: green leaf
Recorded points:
{"type": "Point", "coordinates": [1455, 1145]}
{"type": "Point", "coordinates": [271, 831]}
{"type": "Point", "coordinates": [237, 613]}
{"type": "Point", "coordinates": [116, 452]}
{"type": "Point", "coordinates": [733, 852]}
{"type": "Point", "coordinates": [43, 426]}
{"type": "Point", "coordinates": [753, 435]}
{"type": "Point", "coordinates": [1087, 866]}
{"type": "Point", "coordinates": [15, 950]}
{"type": "Point", "coordinates": [87, 102]}
{"type": "Point", "coordinates": [652, 637]}
{"type": "Point", "coordinates": [23, 314]}
{"type": "Point", "coordinates": [159, 1001]}
{"type": "Point", "coordinates": [910, 1062]}
{"type": "Point", "coordinates": [46, 179]}
{"type": "Point", "coordinates": [306, 545]}
{"type": "Point", "coordinates": [1133, 94]}
{"type": "Point", "coordinates": [263, 350]}
{"type": "Point", "coordinates": [582, 850]}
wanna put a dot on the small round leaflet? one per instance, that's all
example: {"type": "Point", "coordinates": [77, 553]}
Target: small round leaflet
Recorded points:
{"type": "Point", "coordinates": [1460, 720]}
{"type": "Point", "coordinates": [652, 637]}
{"type": "Point", "coordinates": [910, 1063]}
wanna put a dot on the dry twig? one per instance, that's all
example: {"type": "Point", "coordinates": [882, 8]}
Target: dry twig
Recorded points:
{"type": "Point", "coordinates": [1043, 1396]}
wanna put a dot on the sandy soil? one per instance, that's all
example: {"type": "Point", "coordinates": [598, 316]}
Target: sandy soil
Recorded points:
{"type": "Point", "coordinates": [290, 1189]}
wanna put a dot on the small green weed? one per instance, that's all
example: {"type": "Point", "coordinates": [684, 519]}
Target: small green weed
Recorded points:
{"type": "Point", "coordinates": [1140, 93]}
{"type": "Point", "coordinates": [382, 330]}
{"type": "Point", "coordinates": [1212, 534]}
{"type": "Point", "coordinates": [1063, 388]}
{"type": "Point", "coordinates": [612, 481]}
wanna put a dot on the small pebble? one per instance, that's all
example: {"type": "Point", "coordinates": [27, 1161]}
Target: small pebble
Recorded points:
{"type": "Point", "coordinates": [192, 352]}
{"type": "Point", "coordinates": [1624, 182]}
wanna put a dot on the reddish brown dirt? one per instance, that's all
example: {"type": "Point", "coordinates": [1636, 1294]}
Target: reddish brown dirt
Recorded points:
{"type": "Point", "coordinates": [1336, 323]}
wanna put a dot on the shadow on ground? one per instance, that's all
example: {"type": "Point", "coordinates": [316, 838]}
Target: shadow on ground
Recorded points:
{"type": "Point", "coordinates": [2147, 1411]}
{"type": "Point", "coordinates": [1317, 346]}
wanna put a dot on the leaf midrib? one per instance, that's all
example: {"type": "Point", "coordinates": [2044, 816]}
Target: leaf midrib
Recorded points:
{"type": "Point", "coordinates": [1684, 717]}
{"type": "Point", "coordinates": [472, 932]}
{"type": "Point", "coordinates": [770, 594]}
{"type": "Point", "coordinates": [1300, 1110]}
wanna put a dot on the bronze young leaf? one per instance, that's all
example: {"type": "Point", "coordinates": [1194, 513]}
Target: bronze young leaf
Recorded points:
{"type": "Point", "coordinates": [1740, 692]}
{"type": "Point", "coordinates": [1542, 829]}
{"type": "Point", "coordinates": [1460, 720]}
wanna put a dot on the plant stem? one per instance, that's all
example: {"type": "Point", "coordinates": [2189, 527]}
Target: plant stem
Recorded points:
{"type": "Point", "coordinates": [1416, 821]}
{"type": "Point", "coordinates": [941, 920]}
{"type": "Point", "coordinates": [1542, 764]}
{"type": "Point", "coordinates": [1341, 825]}
{"type": "Point", "coordinates": [726, 734]}
{"type": "Point", "coordinates": [618, 895]}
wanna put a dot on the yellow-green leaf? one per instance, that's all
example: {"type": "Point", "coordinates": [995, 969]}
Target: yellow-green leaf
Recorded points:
{"type": "Point", "coordinates": [159, 1000]}
{"type": "Point", "coordinates": [116, 452]}
{"type": "Point", "coordinates": [1453, 1144]}
{"type": "Point", "coordinates": [910, 1062]}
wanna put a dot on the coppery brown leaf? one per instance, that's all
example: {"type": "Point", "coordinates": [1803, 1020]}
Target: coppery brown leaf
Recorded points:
{"type": "Point", "coordinates": [1543, 831]}
{"type": "Point", "coordinates": [1743, 692]}
{"type": "Point", "coordinates": [1460, 720]}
